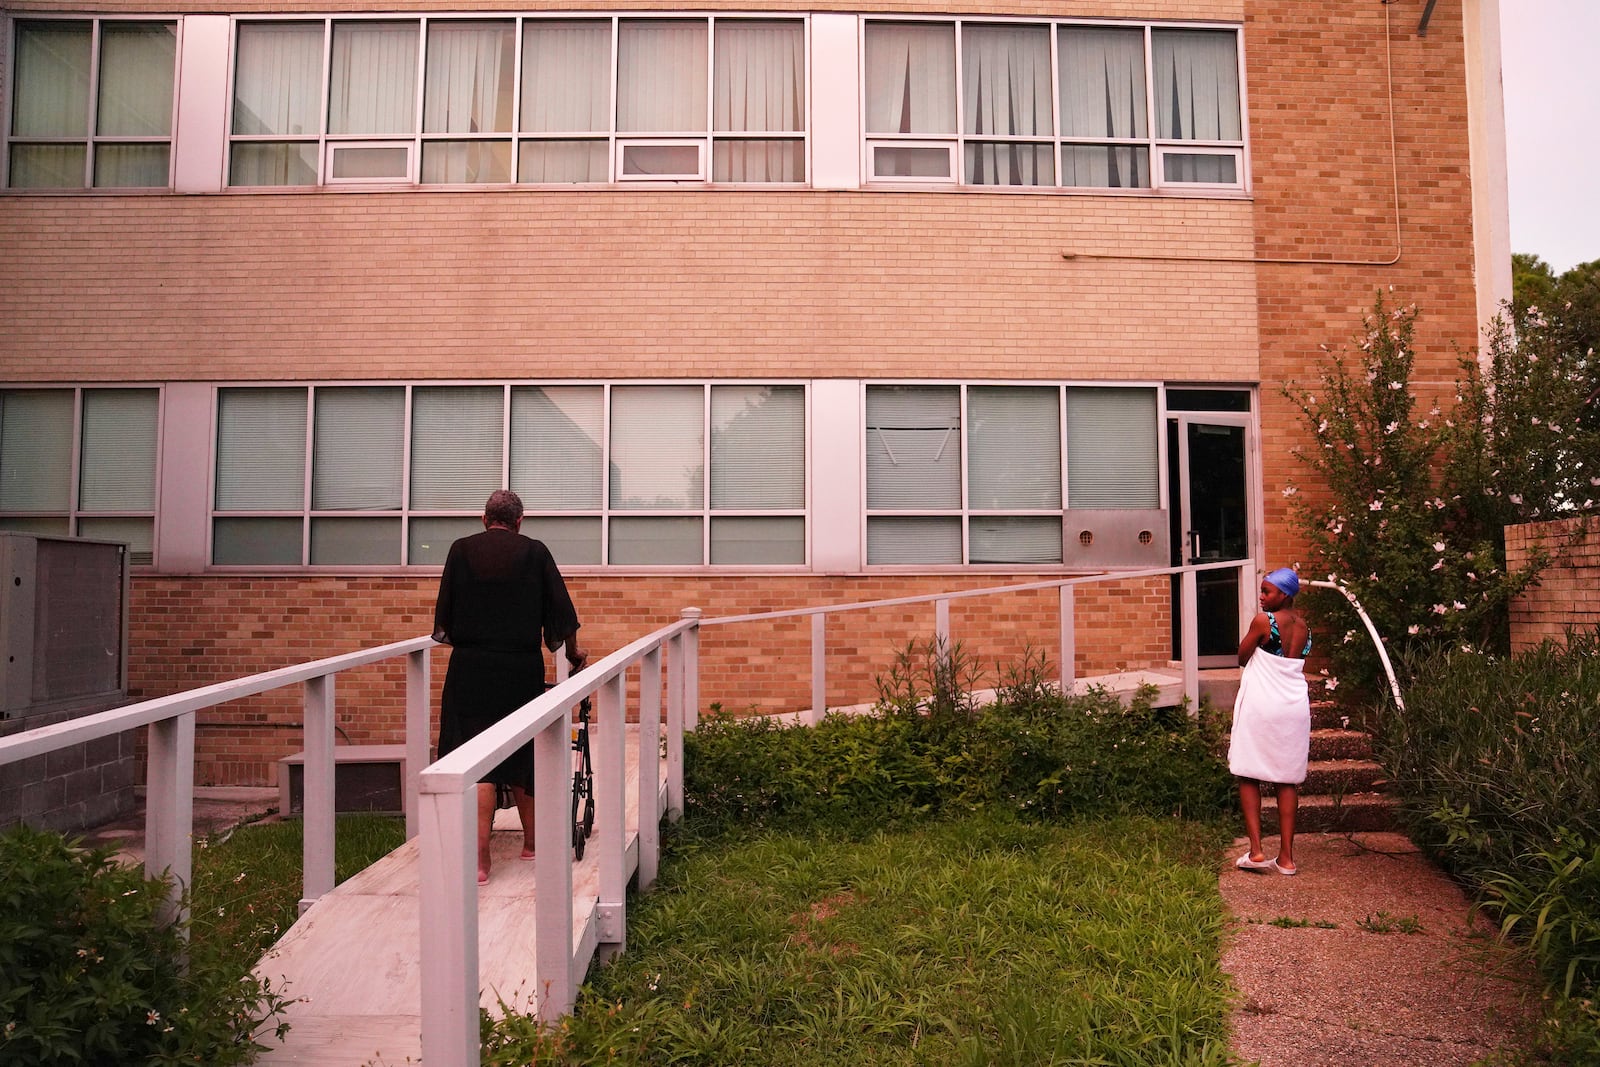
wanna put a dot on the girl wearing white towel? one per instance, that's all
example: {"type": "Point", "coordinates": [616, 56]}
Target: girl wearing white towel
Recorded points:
{"type": "Point", "coordinates": [1272, 718]}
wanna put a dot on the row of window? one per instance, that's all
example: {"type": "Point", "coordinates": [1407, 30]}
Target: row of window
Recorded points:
{"type": "Point", "coordinates": [622, 475]}
{"type": "Point", "coordinates": [578, 100]}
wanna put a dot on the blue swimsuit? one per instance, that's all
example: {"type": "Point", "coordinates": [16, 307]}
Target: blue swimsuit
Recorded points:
{"type": "Point", "coordinates": [1274, 641]}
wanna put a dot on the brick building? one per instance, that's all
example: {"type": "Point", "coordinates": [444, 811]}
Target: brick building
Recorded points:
{"type": "Point", "coordinates": [756, 306]}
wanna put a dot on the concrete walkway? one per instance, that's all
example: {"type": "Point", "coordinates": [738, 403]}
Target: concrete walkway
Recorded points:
{"type": "Point", "coordinates": [1370, 957]}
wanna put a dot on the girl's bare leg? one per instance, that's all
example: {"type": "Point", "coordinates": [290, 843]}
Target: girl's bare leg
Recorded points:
{"type": "Point", "coordinates": [1288, 806]}
{"type": "Point", "coordinates": [1250, 803]}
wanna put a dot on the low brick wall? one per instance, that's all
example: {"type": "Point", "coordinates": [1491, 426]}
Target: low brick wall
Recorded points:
{"type": "Point", "coordinates": [1568, 593]}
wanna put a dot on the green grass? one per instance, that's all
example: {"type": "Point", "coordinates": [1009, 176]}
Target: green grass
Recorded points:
{"type": "Point", "coordinates": [247, 883]}
{"type": "Point", "coordinates": [978, 940]}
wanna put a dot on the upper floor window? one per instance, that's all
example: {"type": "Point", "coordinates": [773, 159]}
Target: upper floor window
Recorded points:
{"type": "Point", "coordinates": [679, 475]}
{"type": "Point", "coordinates": [80, 462]}
{"type": "Point", "coordinates": [599, 100]}
{"type": "Point", "coordinates": [1053, 104]}
{"type": "Point", "coordinates": [91, 104]}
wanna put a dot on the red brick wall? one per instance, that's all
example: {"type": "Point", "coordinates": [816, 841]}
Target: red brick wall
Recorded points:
{"type": "Point", "coordinates": [189, 632]}
{"type": "Point", "coordinates": [1568, 595]}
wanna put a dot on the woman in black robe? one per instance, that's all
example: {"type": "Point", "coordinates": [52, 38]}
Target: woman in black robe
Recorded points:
{"type": "Point", "coordinates": [502, 601]}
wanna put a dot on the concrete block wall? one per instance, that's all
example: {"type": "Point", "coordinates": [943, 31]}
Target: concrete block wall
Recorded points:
{"type": "Point", "coordinates": [75, 788]}
{"type": "Point", "coordinates": [1568, 594]}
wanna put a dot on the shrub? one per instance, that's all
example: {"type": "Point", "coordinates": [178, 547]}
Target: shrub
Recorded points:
{"type": "Point", "coordinates": [1495, 760]}
{"type": "Point", "coordinates": [90, 972]}
{"type": "Point", "coordinates": [929, 748]}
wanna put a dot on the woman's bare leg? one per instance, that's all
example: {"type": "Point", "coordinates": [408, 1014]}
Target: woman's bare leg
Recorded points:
{"type": "Point", "coordinates": [524, 801]}
{"type": "Point", "coordinates": [1250, 804]}
{"type": "Point", "coordinates": [485, 824]}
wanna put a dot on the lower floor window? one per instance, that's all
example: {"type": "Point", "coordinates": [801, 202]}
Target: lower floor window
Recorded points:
{"type": "Point", "coordinates": [622, 475]}
{"type": "Point", "coordinates": [80, 462]}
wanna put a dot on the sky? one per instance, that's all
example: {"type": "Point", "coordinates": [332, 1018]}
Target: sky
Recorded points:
{"type": "Point", "coordinates": [1551, 76]}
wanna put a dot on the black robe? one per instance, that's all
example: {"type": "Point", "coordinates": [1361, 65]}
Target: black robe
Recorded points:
{"type": "Point", "coordinates": [501, 601]}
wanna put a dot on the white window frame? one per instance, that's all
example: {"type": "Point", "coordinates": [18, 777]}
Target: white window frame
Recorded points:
{"type": "Point", "coordinates": [706, 513]}
{"type": "Point", "coordinates": [74, 514]}
{"type": "Point", "coordinates": [616, 142]}
{"type": "Point", "coordinates": [966, 512]}
{"type": "Point", "coordinates": [919, 141]}
{"type": "Point", "coordinates": [1151, 143]}
{"type": "Point", "coordinates": [90, 139]}
{"type": "Point", "coordinates": [332, 148]}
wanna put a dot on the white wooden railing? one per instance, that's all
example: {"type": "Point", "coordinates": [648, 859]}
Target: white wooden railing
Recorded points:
{"type": "Point", "coordinates": [169, 797]}
{"type": "Point", "coordinates": [448, 862]}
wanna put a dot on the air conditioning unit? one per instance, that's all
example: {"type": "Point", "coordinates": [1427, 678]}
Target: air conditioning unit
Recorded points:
{"type": "Point", "coordinates": [63, 623]}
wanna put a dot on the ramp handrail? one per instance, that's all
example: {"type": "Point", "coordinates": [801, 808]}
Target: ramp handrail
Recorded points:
{"type": "Point", "coordinates": [169, 798]}
{"type": "Point", "coordinates": [448, 891]}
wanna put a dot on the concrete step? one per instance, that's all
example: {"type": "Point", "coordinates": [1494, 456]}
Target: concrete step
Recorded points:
{"type": "Point", "coordinates": [1341, 744]}
{"type": "Point", "coordinates": [1367, 812]}
{"type": "Point", "coordinates": [1336, 776]}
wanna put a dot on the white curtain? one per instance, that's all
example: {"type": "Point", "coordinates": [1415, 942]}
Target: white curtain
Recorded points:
{"type": "Point", "coordinates": [911, 77]}
{"type": "Point", "coordinates": [657, 447]}
{"type": "Point", "coordinates": [469, 74]}
{"type": "Point", "coordinates": [119, 450]}
{"type": "Point", "coordinates": [261, 450]}
{"type": "Point", "coordinates": [557, 457]}
{"type": "Point", "coordinates": [359, 444]}
{"type": "Point", "coordinates": [1005, 92]}
{"type": "Point", "coordinates": [373, 90]}
{"type": "Point", "coordinates": [566, 76]}
{"type": "Point", "coordinates": [455, 445]}
{"type": "Point", "coordinates": [661, 76]}
{"type": "Point", "coordinates": [563, 161]}
{"type": "Point", "coordinates": [1103, 96]}
{"type": "Point", "coordinates": [136, 79]}
{"type": "Point", "coordinates": [52, 80]}
{"type": "Point", "coordinates": [1196, 84]}
{"type": "Point", "coordinates": [759, 77]}
{"type": "Point", "coordinates": [35, 449]}
{"type": "Point", "coordinates": [277, 86]}
{"type": "Point", "coordinates": [1112, 448]}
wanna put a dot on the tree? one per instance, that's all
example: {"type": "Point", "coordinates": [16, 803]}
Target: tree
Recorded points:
{"type": "Point", "coordinates": [1411, 507]}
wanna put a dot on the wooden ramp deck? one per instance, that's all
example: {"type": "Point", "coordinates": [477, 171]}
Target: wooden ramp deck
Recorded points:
{"type": "Point", "coordinates": [352, 959]}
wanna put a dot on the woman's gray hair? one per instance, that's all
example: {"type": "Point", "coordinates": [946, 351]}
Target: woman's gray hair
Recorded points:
{"type": "Point", "coordinates": [504, 508]}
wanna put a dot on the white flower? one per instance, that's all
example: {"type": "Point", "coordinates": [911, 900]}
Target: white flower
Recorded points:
{"type": "Point", "coordinates": [1439, 565]}
{"type": "Point", "coordinates": [1396, 385]}
{"type": "Point", "coordinates": [1412, 629]}
{"type": "Point", "coordinates": [1534, 420]}
{"type": "Point", "coordinates": [1439, 609]}
{"type": "Point", "coordinates": [1376, 505]}
{"type": "Point", "coordinates": [1438, 546]}
{"type": "Point", "coordinates": [1392, 427]}
{"type": "Point", "coordinates": [1458, 605]}
{"type": "Point", "coordinates": [1332, 684]}
{"type": "Point", "coordinates": [1289, 490]}
{"type": "Point", "coordinates": [1471, 577]}
{"type": "Point", "coordinates": [1322, 427]}
{"type": "Point", "coordinates": [1516, 498]}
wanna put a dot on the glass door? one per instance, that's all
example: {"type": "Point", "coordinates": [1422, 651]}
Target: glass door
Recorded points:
{"type": "Point", "coordinates": [1209, 478]}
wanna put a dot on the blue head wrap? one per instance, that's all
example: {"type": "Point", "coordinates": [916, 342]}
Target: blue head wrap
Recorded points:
{"type": "Point", "coordinates": [1287, 581]}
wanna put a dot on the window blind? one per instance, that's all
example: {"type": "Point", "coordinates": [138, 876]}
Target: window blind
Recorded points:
{"type": "Point", "coordinates": [556, 453]}
{"type": "Point", "coordinates": [261, 450]}
{"type": "Point", "coordinates": [657, 447]}
{"type": "Point", "coordinates": [119, 450]}
{"type": "Point", "coordinates": [1013, 447]}
{"type": "Point", "coordinates": [35, 450]}
{"type": "Point", "coordinates": [359, 442]}
{"type": "Point", "coordinates": [913, 447]}
{"type": "Point", "coordinates": [1111, 448]}
{"type": "Point", "coordinates": [758, 439]}
{"type": "Point", "coordinates": [455, 445]}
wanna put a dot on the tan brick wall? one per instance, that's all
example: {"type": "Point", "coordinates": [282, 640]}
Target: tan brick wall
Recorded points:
{"type": "Point", "coordinates": [525, 284]}
{"type": "Point", "coordinates": [190, 632]}
{"type": "Point", "coordinates": [1568, 593]}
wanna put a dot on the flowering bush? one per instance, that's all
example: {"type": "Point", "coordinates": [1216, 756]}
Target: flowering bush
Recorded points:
{"type": "Point", "coordinates": [91, 974]}
{"type": "Point", "coordinates": [1414, 505]}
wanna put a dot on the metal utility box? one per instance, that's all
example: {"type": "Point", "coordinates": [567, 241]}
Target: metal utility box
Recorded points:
{"type": "Point", "coordinates": [1096, 537]}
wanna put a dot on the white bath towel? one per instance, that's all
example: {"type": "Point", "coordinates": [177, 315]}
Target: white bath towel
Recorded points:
{"type": "Point", "coordinates": [1271, 721]}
